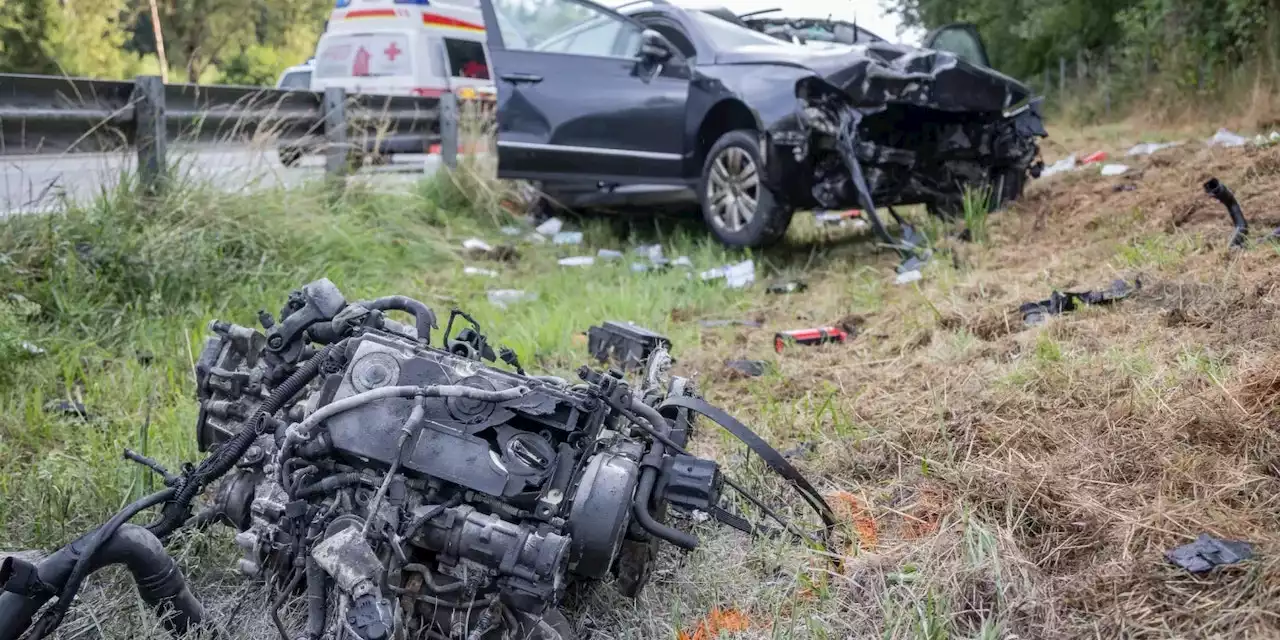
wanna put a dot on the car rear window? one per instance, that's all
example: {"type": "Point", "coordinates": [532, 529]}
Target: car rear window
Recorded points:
{"type": "Point", "coordinates": [466, 59]}
{"type": "Point", "coordinates": [727, 35]}
{"type": "Point", "coordinates": [296, 80]}
{"type": "Point", "coordinates": [371, 55]}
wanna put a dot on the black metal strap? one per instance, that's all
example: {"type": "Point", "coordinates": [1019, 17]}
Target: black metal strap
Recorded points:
{"type": "Point", "coordinates": [771, 457]}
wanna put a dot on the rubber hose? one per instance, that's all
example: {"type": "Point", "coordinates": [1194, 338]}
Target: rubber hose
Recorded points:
{"type": "Point", "coordinates": [1222, 194]}
{"type": "Point", "coordinates": [424, 318]}
{"type": "Point", "coordinates": [93, 541]}
{"type": "Point", "coordinates": [644, 491]}
{"type": "Point", "coordinates": [331, 483]}
{"type": "Point", "coordinates": [159, 580]}
{"type": "Point", "coordinates": [229, 453]}
{"type": "Point", "coordinates": [317, 593]}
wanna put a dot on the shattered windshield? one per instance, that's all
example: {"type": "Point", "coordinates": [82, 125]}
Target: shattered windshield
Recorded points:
{"type": "Point", "coordinates": [726, 35]}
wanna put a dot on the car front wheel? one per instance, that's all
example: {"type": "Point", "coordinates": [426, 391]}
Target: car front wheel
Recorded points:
{"type": "Point", "coordinates": [736, 204]}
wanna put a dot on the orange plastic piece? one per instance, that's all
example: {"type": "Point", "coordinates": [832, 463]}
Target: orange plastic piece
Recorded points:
{"type": "Point", "coordinates": [718, 620]}
{"type": "Point", "coordinates": [1097, 156]}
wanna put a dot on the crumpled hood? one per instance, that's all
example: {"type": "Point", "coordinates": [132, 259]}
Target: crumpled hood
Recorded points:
{"type": "Point", "coordinates": [879, 73]}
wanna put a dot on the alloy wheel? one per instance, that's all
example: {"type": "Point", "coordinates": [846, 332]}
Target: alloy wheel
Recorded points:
{"type": "Point", "coordinates": [733, 189]}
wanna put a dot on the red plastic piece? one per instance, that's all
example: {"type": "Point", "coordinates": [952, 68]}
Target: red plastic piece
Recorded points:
{"type": "Point", "coordinates": [1097, 156]}
{"type": "Point", "coordinates": [819, 335]}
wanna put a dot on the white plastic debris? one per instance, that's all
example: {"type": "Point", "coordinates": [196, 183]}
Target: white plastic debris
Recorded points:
{"type": "Point", "coordinates": [567, 237]}
{"type": "Point", "coordinates": [639, 267]}
{"type": "Point", "coordinates": [33, 349]}
{"type": "Point", "coordinates": [550, 227]}
{"type": "Point", "coordinates": [735, 276]}
{"type": "Point", "coordinates": [1224, 138]}
{"type": "Point", "coordinates": [1148, 148]}
{"type": "Point", "coordinates": [536, 238]}
{"type": "Point", "coordinates": [477, 271]}
{"type": "Point", "coordinates": [828, 217]}
{"type": "Point", "coordinates": [609, 254]}
{"type": "Point", "coordinates": [476, 244]}
{"type": "Point", "coordinates": [651, 251]}
{"type": "Point", "coordinates": [502, 297]}
{"type": "Point", "coordinates": [682, 261]}
{"type": "Point", "coordinates": [512, 231]}
{"type": "Point", "coordinates": [578, 261]}
{"type": "Point", "coordinates": [1114, 169]}
{"type": "Point", "coordinates": [1062, 166]}
{"type": "Point", "coordinates": [907, 277]}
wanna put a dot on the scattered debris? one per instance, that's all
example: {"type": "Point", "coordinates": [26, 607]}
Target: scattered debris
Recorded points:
{"type": "Point", "coordinates": [736, 276]}
{"type": "Point", "coordinates": [478, 248]}
{"type": "Point", "coordinates": [1062, 166]}
{"type": "Point", "coordinates": [512, 231]}
{"type": "Point", "coordinates": [567, 237]}
{"type": "Point", "coordinates": [1124, 187]}
{"type": "Point", "coordinates": [1096, 156]}
{"type": "Point", "coordinates": [711, 324]}
{"type": "Point", "coordinates": [853, 509]}
{"type": "Point", "coordinates": [1208, 552]}
{"type": "Point", "coordinates": [1034, 313]}
{"type": "Point", "coordinates": [651, 251]}
{"type": "Point", "coordinates": [550, 226]}
{"type": "Point", "coordinates": [477, 245]}
{"type": "Point", "coordinates": [639, 267]}
{"type": "Point", "coordinates": [68, 408]}
{"type": "Point", "coordinates": [33, 349]}
{"type": "Point", "coordinates": [609, 254]}
{"type": "Point", "coordinates": [682, 261]}
{"type": "Point", "coordinates": [839, 218]}
{"type": "Point", "coordinates": [908, 277]}
{"type": "Point", "coordinates": [1224, 138]}
{"type": "Point", "coordinates": [626, 344]}
{"type": "Point", "coordinates": [477, 271]}
{"type": "Point", "coordinates": [789, 286]}
{"type": "Point", "coordinates": [819, 335]}
{"type": "Point", "coordinates": [1266, 141]}
{"type": "Point", "coordinates": [500, 298]}
{"type": "Point", "coordinates": [577, 261]}
{"type": "Point", "coordinates": [1222, 194]}
{"type": "Point", "coordinates": [748, 368]}
{"type": "Point", "coordinates": [1148, 148]}
{"type": "Point", "coordinates": [1114, 169]}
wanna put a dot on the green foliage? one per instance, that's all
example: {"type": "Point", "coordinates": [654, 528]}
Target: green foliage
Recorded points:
{"type": "Point", "coordinates": [237, 41]}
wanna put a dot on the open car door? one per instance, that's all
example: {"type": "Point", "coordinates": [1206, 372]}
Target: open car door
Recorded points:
{"type": "Point", "coordinates": [960, 39]}
{"type": "Point", "coordinates": [585, 94]}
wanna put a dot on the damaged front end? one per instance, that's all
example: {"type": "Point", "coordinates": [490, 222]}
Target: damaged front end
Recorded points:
{"type": "Point", "coordinates": [900, 126]}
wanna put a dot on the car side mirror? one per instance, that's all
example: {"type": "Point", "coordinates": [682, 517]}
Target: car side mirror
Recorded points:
{"type": "Point", "coordinates": [654, 47]}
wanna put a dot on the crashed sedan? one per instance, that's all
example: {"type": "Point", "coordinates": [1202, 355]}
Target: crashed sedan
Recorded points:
{"type": "Point", "coordinates": [657, 104]}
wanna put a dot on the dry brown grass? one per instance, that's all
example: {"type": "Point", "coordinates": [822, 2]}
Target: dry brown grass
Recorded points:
{"type": "Point", "coordinates": [1026, 482]}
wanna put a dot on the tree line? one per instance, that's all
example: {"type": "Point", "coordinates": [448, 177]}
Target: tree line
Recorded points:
{"type": "Point", "coordinates": [1183, 42]}
{"type": "Point", "coordinates": [229, 41]}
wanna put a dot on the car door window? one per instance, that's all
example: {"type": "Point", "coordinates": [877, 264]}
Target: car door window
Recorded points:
{"type": "Point", "coordinates": [564, 26]}
{"type": "Point", "coordinates": [672, 32]}
{"type": "Point", "coordinates": [962, 41]}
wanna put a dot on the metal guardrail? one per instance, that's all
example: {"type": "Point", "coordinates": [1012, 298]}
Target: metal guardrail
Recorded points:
{"type": "Point", "coordinates": [52, 115]}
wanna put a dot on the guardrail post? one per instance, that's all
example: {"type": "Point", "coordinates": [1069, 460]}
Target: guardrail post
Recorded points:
{"type": "Point", "coordinates": [151, 132]}
{"type": "Point", "coordinates": [449, 130]}
{"type": "Point", "coordinates": [337, 153]}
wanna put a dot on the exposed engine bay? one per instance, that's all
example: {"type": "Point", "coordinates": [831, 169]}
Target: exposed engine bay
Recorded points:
{"type": "Point", "coordinates": [410, 490]}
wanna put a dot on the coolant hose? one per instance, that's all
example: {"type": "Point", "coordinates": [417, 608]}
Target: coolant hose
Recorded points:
{"type": "Point", "coordinates": [159, 581]}
{"type": "Point", "coordinates": [640, 508]}
{"type": "Point", "coordinates": [424, 318]}
{"type": "Point", "coordinates": [1222, 194]}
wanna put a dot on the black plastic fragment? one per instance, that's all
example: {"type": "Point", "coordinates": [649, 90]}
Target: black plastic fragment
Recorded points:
{"type": "Point", "coordinates": [626, 345]}
{"type": "Point", "coordinates": [1208, 552]}
{"type": "Point", "coordinates": [749, 368]}
{"type": "Point", "coordinates": [1034, 313]}
{"type": "Point", "coordinates": [69, 409]}
{"type": "Point", "coordinates": [1222, 194]}
{"type": "Point", "coordinates": [788, 286]}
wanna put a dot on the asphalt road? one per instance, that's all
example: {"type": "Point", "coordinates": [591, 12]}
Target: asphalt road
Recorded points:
{"type": "Point", "coordinates": [40, 183]}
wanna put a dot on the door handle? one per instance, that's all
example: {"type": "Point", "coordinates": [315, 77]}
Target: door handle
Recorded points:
{"type": "Point", "coordinates": [517, 78]}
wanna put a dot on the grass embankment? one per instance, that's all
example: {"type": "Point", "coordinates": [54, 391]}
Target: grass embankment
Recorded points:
{"type": "Point", "coordinates": [1004, 481]}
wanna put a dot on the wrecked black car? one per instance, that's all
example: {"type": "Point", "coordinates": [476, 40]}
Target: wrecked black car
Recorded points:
{"type": "Point", "coordinates": [656, 104]}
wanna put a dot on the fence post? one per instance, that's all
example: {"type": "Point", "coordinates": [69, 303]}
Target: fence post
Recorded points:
{"type": "Point", "coordinates": [151, 132]}
{"type": "Point", "coordinates": [449, 129]}
{"type": "Point", "coordinates": [337, 153]}
{"type": "Point", "coordinates": [1062, 75]}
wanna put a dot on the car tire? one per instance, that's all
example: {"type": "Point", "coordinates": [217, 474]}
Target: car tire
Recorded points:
{"type": "Point", "coordinates": [289, 156]}
{"type": "Point", "coordinates": [731, 182]}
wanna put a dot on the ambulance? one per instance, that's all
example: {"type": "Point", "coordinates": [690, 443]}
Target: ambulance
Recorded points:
{"type": "Point", "coordinates": [404, 47]}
